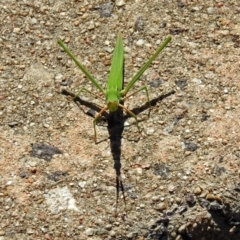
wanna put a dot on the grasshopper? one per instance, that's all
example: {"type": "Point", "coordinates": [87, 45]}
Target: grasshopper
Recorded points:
{"type": "Point", "coordinates": [115, 94]}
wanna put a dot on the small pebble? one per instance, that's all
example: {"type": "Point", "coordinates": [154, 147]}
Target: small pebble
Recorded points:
{"type": "Point", "coordinates": [85, 16]}
{"type": "Point", "coordinates": [182, 229]}
{"type": "Point", "coordinates": [30, 231]}
{"type": "Point", "coordinates": [211, 10]}
{"type": "Point", "coordinates": [139, 26]}
{"type": "Point", "coordinates": [173, 234]}
{"type": "Point", "coordinates": [195, 9]}
{"type": "Point", "coordinates": [197, 191]}
{"type": "Point", "coordinates": [210, 197]}
{"type": "Point", "coordinates": [58, 77]}
{"type": "Point", "coordinates": [112, 233]}
{"type": "Point", "coordinates": [156, 198]}
{"type": "Point", "coordinates": [76, 23]}
{"type": "Point", "coordinates": [82, 184]}
{"type": "Point", "coordinates": [106, 9]}
{"type": "Point", "coordinates": [179, 237]}
{"type": "Point", "coordinates": [197, 81]}
{"type": "Point", "coordinates": [150, 131]}
{"type": "Point", "coordinates": [132, 235]}
{"type": "Point", "coordinates": [127, 49]}
{"type": "Point", "coordinates": [89, 232]}
{"type": "Point", "coordinates": [12, 124]}
{"type": "Point", "coordinates": [161, 187]}
{"type": "Point", "coordinates": [178, 200]}
{"type": "Point", "coordinates": [139, 170]}
{"type": "Point", "coordinates": [120, 3]}
{"type": "Point", "coordinates": [195, 225]}
{"type": "Point", "coordinates": [161, 206]}
{"type": "Point", "coordinates": [232, 230]}
{"type": "Point", "coordinates": [108, 227]}
{"type": "Point", "coordinates": [171, 188]}
{"type": "Point", "coordinates": [16, 30]}
{"type": "Point", "coordinates": [9, 183]}
{"type": "Point", "coordinates": [190, 199]}
{"type": "Point", "coordinates": [224, 32]}
{"type": "Point", "coordinates": [140, 42]}
{"type": "Point", "coordinates": [33, 21]}
{"type": "Point", "coordinates": [91, 26]}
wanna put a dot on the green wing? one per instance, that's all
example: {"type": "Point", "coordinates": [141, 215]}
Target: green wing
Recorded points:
{"type": "Point", "coordinates": [115, 79]}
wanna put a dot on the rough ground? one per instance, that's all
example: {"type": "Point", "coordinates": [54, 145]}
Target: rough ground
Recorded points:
{"type": "Point", "coordinates": [179, 178]}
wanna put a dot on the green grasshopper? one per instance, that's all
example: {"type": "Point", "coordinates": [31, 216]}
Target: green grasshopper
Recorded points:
{"type": "Point", "coordinates": [114, 94]}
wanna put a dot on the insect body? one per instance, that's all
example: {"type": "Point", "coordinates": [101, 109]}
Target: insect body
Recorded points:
{"type": "Point", "coordinates": [114, 93]}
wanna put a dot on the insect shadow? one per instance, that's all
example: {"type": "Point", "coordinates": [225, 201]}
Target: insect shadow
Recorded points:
{"type": "Point", "coordinates": [115, 126]}
{"type": "Point", "coordinates": [115, 94]}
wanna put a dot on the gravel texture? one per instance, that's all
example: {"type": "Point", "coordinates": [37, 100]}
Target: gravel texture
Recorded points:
{"type": "Point", "coordinates": [179, 178]}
